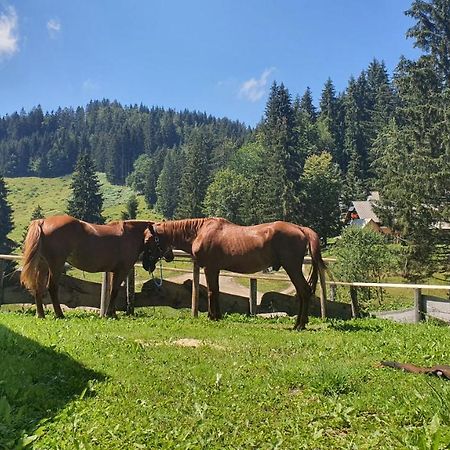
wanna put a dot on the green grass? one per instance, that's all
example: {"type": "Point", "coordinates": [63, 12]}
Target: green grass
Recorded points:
{"type": "Point", "coordinates": [25, 193]}
{"type": "Point", "coordinates": [133, 383]}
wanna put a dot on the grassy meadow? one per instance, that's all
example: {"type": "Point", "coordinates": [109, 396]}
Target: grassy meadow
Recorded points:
{"type": "Point", "coordinates": [165, 380]}
{"type": "Point", "coordinates": [52, 194]}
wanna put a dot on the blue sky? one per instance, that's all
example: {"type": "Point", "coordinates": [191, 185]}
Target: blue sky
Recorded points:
{"type": "Point", "coordinates": [218, 56]}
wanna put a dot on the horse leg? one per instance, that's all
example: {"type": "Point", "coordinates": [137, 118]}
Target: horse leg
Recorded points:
{"type": "Point", "coordinates": [42, 276]}
{"type": "Point", "coordinates": [117, 279]}
{"type": "Point", "coordinates": [212, 281]}
{"type": "Point", "coordinates": [303, 294]}
{"type": "Point", "coordinates": [53, 291]}
{"type": "Point", "coordinates": [40, 314]}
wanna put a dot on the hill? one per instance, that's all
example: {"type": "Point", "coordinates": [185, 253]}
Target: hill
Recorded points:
{"type": "Point", "coordinates": [25, 193]}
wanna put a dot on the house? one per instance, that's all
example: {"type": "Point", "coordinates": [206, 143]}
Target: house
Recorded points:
{"type": "Point", "coordinates": [361, 214]}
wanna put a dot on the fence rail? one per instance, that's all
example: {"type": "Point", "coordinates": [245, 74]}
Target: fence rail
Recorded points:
{"type": "Point", "coordinates": [420, 300]}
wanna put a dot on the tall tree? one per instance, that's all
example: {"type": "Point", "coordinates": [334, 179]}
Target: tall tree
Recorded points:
{"type": "Point", "coordinates": [319, 196]}
{"type": "Point", "coordinates": [6, 221]}
{"type": "Point", "coordinates": [195, 178]}
{"type": "Point", "coordinates": [168, 184]}
{"type": "Point", "coordinates": [415, 149]}
{"type": "Point", "coordinates": [228, 196]}
{"type": "Point", "coordinates": [330, 128]}
{"type": "Point", "coordinates": [431, 33]}
{"type": "Point", "coordinates": [282, 163]}
{"type": "Point", "coordinates": [86, 202]}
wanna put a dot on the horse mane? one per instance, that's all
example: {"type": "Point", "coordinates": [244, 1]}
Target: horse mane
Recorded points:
{"type": "Point", "coordinates": [184, 230]}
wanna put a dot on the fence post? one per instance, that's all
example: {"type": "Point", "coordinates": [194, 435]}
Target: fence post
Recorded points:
{"type": "Point", "coordinates": [2, 277]}
{"type": "Point", "coordinates": [253, 296]}
{"type": "Point", "coordinates": [419, 306]}
{"type": "Point", "coordinates": [354, 301]}
{"type": "Point", "coordinates": [105, 295]}
{"type": "Point", "coordinates": [130, 283]}
{"type": "Point", "coordinates": [195, 289]}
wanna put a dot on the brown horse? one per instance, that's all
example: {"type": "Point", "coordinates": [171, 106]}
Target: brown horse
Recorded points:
{"type": "Point", "coordinates": [51, 242]}
{"type": "Point", "coordinates": [217, 244]}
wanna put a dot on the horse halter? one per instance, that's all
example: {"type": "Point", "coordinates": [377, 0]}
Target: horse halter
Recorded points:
{"type": "Point", "coordinates": [157, 242]}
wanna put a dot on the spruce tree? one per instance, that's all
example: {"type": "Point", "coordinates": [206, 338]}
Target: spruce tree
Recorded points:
{"type": "Point", "coordinates": [413, 153]}
{"type": "Point", "coordinates": [132, 207]}
{"type": "Point", "coordinates": [37, 213]}
{"type": "Point", "coordinates": [194, 180]}
{"type": "Point", "coordinates": [6, 221]}
{"type": "Point", "coordinates": [330, 126]}
{"type": "Point", "coordinates": [280, 174]}
{"type": "Point", "coordinates": [168, 185]}
{"type": "Point", "coordinates": [86, 202]}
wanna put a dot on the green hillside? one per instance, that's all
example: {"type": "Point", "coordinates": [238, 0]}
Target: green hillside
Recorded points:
{"type": "Point", "coordinates": [25, 193]}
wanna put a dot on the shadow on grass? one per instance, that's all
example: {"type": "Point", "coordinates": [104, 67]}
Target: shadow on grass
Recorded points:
{"type": "Point", "coordinates": [354, 326]}
{"type": "Point", "coordinates": [35, 382]}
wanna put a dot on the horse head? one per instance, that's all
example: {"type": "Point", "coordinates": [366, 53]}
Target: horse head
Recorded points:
{"type": "Point", "coordinates": [156, 247]}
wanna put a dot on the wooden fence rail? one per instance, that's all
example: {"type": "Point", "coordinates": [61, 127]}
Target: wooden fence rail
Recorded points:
{"type": "Point", "coordinates": [420, 302]}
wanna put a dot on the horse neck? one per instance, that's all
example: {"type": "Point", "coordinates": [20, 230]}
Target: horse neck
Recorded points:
{"type": "Point", "coordinates": [181, 233]}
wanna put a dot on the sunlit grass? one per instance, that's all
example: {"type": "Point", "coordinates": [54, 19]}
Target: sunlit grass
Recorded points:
{"type": "Point", "coordinates": [52, 194]}
{"type": "Point", "coordinates": [165, 380]}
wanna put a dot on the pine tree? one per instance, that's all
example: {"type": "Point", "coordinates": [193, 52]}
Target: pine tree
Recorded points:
{"type": "Point", "coordinates": [86, 202]}
{"type": "Point", "coordinates": [413, 153]}
{"type": "Point", "coordinates": [132, 207]}
{"type": "Point", "coordinates": [330, 125]}
{"type": "Point", "coordinates": [37, 213]}
{"type": "Point", "coordinates": [280, 175]}
{"type": "Point", "coordinates": [6, 221]}
{"type": "Point", "coordinates": [168, 185]}
{"type": "Point", "coordinates": [306, 129]}
{"type": "Point", "coordinates": [194, 180]}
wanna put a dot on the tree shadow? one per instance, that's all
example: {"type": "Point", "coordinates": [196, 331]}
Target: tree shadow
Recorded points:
{"type": "Point", "coordinates": [35, 382]}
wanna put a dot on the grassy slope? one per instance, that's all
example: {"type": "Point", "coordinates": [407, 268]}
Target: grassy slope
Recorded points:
{"type": "Point", "coordinates": [52, 195]}
{"type": "Point", "coordinates": [128, 383]}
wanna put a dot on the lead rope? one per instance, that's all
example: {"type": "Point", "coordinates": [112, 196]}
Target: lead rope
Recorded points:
{"type": "Point", "coordinates": [158, 281]}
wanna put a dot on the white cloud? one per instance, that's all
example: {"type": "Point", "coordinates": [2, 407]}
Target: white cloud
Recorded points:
{"type": "Point", "coordinates": [53, 27]}
{"type": "Point", "coordinates": [8, 32]}
{"type": "Point", "coordinates": [89, 86]}
{"type": "Point", "coordinates": [254, 89]}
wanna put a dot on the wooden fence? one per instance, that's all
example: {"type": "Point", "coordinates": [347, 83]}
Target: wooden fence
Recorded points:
{"type": "Point", "coordinates": [420, 301]}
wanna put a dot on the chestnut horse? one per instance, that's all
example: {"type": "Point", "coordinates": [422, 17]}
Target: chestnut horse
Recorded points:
{"type": "Point", "coordinates": [217, 244]}
{"type": "Point", "coordinates": [51, 242]}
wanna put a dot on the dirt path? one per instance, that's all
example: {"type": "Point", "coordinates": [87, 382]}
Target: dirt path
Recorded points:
{"type": "Point", "coordinates": [227, 284]}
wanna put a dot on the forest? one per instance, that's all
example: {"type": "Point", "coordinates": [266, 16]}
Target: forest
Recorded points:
{"type": "Point", "coordinates": [304, 162]}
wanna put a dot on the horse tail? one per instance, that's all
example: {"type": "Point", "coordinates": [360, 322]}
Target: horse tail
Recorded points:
{"type": "Point", "coordinates": [318, 264]}
{"type": "Point", "coordinates": [32, 258]}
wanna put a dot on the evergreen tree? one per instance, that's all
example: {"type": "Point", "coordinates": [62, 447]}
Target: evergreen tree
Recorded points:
{"type": "Point", "coordinates": [431, 33]}
{"type": "Point", "coordinates": [168, 185]}
{"type": "Point", "coordinates": [321, 186]}
{"type": "Point", "coordinates": [194, 180]}
{"type": "Point", "coordinates": [86, 202]}
{"type": "Point", "coordinates": [280, 174]}
{"type": "Point", "coordinates": [413, 153]}
{"type": "Point", "coordinates": [355, 138]}
{"type": "Point", "coordinates": [306, 129]}
{"type": "Point", "coordinates": [132, 207]}
{"type": "Point", "coordinates": [37, 213]}
{"type": "Point", "coordinates": [6, 221]}
{"type": "Point", "coordinates": [330, 125]}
